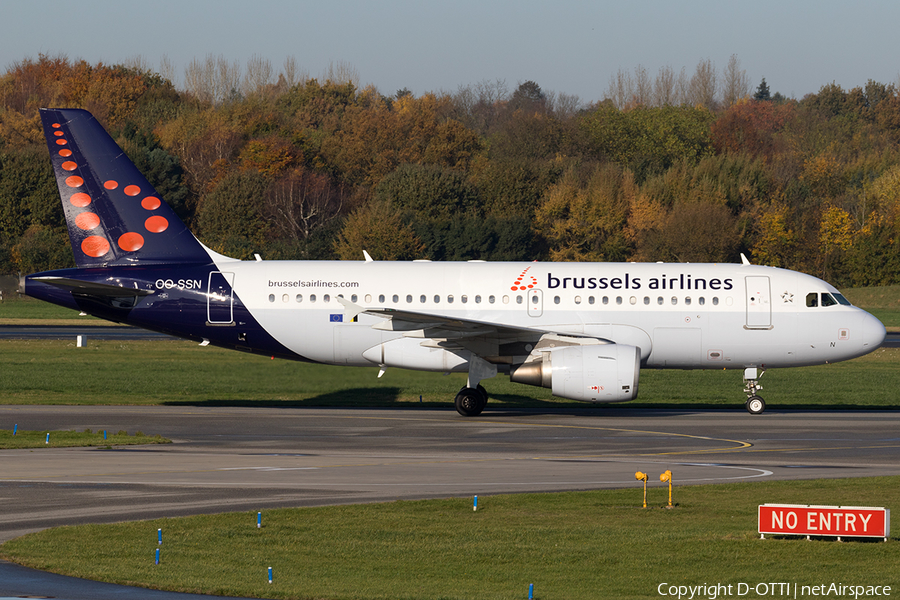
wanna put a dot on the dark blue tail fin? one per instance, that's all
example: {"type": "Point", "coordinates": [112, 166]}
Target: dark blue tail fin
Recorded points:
{"type": "Point", "coordinates": [114, 215]}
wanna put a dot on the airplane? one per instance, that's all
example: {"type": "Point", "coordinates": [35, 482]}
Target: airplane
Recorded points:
{"type": "Point", "coordinates": [584, 330]}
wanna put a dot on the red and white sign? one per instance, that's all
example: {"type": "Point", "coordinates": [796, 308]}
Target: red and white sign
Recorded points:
{"type": "Point", "coordinates": [841, 521]}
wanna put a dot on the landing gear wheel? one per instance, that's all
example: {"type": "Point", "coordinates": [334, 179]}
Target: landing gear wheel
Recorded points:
{"type": "Point", "coordinates": [470, 402]}
{"type": "Point", "coordinates": [755, 405]}
{"type": "Point", "coordinates": [484, 395]}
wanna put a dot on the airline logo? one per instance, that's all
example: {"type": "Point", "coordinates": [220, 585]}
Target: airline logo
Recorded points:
{"type": "Point", "coordinates": [524, 281]}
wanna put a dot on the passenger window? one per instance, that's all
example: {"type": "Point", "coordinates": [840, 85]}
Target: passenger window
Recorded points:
{"type": "Point", "coordinates": [674, 301]}
{"type": "Point", "coordinates": [646, 299]}
{"type": "Point", "coordinates": [422, 299]}
{"type": "Point", "coordinates": [633, 300]}
{"type": "Point", "coordinates": [285, 298]}
{"type": "Point", "coordinates": [812, 300]}
{"type": "Point", "coordinates": [505, 299]}
{"type": "Point", "coordinates": [687, 300]}
{"type": "Point", "coordinates": [491, 299]}
{"type": "Point", "coordinates": [577, 299]}
{"type": "Point", "coordinates": [396, 298]}
{"type": "Point", "coordinates": [271, 297]}
{"type": "Point", "coordinates": [555, 299]}
{"type": "Point", "coordinates": [354, 298]}
{"type": "Point", "coordinates": [618, 299]}
{"type": "Point", "coordinates": [409, 298]}
{"type": "Point", "coordinates": [590, 299]}
{"type": "Point", "coordinates": [381, 298]}
{"type": "Point", "coordinates": [368, 298]}
{"type": "Point", "coordinates": [519, 299]}
{"type": "Point", "coordinates": [715, 300]}
{"type": "Point", "coordinates": [605, 299]}
{"type": "Point", "coordinates": [437, 299]}
{"type": "Point", "coordinates": [326, 298]}
{"type": "Point", "coordinates": [463, 299]}
{"type": "Point", "coordinates": [477, 299]}
{"type": "Point", "coordinates": [701, 301]}
{"type": "Point", "coordinates": [659, 300]}
{"type": "Point", "coordinates": [299, 297]}
{"type": "Point", "coordinates": [312, 297]}
{"type": "Point", "coordinates": [449, 299]}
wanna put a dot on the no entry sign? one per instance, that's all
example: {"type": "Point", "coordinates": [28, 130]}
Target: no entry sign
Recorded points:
{"type": "Point", "coordinates": [837, 521]}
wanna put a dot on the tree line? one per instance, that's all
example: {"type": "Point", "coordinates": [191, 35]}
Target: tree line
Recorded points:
{"type": "Point", "coordinates": [694, 169]}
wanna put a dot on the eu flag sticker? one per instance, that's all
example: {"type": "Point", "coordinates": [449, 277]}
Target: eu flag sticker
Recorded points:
{"type": "Point", "coordinates": [339, 318]}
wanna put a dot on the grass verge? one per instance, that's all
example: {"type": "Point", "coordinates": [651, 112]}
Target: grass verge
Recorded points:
{"type": "Point", "coordinates": [182, 373]}
{"type": "Point", "coordinates": [597, 544]}
{"type": "Point", "coordinates": [15, 439]}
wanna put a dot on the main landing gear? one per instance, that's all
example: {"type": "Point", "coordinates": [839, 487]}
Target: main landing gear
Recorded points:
{"type": "Point", "coordinates": [755, 404]}
{"type": "Point", "coordinates": [471, 401]}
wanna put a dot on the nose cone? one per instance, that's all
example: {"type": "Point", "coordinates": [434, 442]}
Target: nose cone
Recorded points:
{"type": "Point", "coordinates": [873, 333]}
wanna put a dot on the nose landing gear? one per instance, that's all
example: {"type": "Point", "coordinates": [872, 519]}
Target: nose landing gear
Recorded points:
{"type": "Point", "coordinates": [755, 404]}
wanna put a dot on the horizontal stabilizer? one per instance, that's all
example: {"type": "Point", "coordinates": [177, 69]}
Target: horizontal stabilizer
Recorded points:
{"type": "Point", "coordinates": [89, 288]}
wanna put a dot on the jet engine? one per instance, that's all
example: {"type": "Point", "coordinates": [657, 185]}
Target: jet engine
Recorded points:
{"type": "Point", "coordinates": [592, 373]}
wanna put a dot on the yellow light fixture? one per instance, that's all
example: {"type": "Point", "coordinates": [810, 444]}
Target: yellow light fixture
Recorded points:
{"type": "Point", "coordinates": [642, 477]}
{"type": "Point", "coordinates": [664, 477]}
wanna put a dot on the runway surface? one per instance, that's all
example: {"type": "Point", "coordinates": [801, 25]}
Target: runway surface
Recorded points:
{"type": "Point", "coordinates": [231, 459]}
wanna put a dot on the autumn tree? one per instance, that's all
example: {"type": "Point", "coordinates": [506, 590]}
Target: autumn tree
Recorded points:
{"type": "Point", "coordinates": [378, 229]}
{"type": "Point", "coordinates": [583, 215]}
{"type": "Point", "coordinates": [229, 217]}
{"type": "Point", "coordinates": [301, 202]}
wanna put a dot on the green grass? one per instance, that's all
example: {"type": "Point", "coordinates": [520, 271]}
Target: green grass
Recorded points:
{"type": "Point", "coordinates": [182, 373]}
{"type": "Point", "coordinates": [12, 439]}
{"type": "Point", "coordinates": [883, 302]}
{"type": "Point", "coordinates": [597, 544]}
{"type": "Point", "coordinates": [22, 310]}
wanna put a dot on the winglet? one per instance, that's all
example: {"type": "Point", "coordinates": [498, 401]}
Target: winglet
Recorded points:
{"type": "Point", "coordinates": [744, 260]}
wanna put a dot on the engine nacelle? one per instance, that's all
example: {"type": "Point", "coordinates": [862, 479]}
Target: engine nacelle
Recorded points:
{"type": "Point", "coordinates": [595, 373]}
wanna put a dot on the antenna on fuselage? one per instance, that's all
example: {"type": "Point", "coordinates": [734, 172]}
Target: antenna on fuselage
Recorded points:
{"type": "Point", "coordinates": [367, 257]}
{"type": "Point", "coordinates": [744, 260]}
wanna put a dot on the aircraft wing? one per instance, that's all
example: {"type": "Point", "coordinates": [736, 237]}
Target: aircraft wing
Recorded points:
{"type": "Point", "coordinates": [492, 341]}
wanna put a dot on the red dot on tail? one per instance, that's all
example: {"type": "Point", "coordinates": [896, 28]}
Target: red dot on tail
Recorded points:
{"type": "Point", "coordinates": [74, 181]}
{"type": "Point", "coordinates": [80, 199]}
{"type": "Point", "coordinates": [95, 246]}
{"type": "Point", "coordinates": [513, 288]}
{"type": "Point", "coordinates": [58, 133]}
{"type": "Point", "coordinates": [56, 126]}
{"type": "Point", "coordinates": [151, 203]}
{"type": "Point", "coordinates": [131, 241]}
{"type": "Point", "coordinates": [69, 165]}
{"type": "Point", "coordinates": [87, 221]}
{"type": "Point", "coordinates": [132, 190]}
{"type": "Point", "coordinates": [156, 224]}
{"type": "Point", "coordinates": [110, 185]}
{"type": "Point", "coordinates": [61, 142]}
{"type": "Point", "coordinates": [65, 152]}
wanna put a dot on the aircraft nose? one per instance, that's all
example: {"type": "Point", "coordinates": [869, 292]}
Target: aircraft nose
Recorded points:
{"type": "Point", "coordinates": [873, 332]}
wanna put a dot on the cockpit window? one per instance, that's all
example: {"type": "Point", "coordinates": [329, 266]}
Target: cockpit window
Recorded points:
{"type": "Point", "coordinates": [827, 299]}
{"type": "Point", "coordinates": [841, 300]}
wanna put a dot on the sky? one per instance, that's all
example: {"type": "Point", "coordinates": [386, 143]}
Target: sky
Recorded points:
{"type": "Point", "coordinates": [566, 46]}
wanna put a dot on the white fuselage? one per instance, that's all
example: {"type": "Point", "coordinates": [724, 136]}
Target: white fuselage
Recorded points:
{"type": "Point", "coordinates": [688, 316]}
